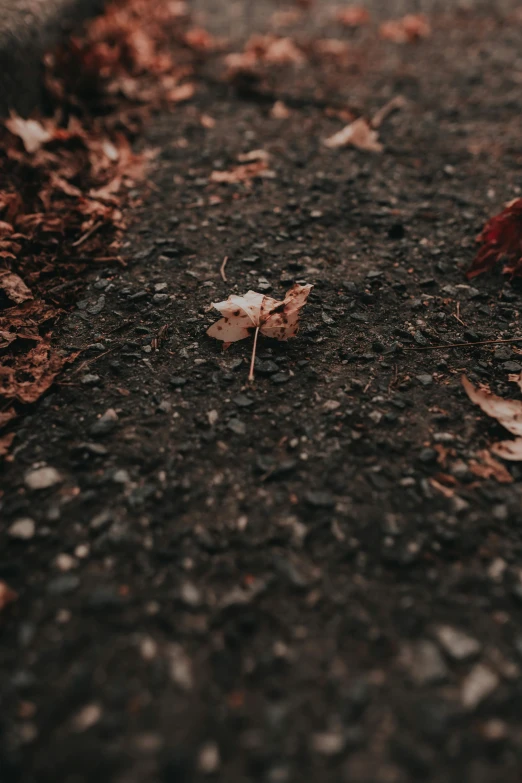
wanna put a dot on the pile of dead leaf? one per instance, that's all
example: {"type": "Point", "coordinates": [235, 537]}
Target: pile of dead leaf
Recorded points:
{"type": "Point", "coordinates": [65, 178]}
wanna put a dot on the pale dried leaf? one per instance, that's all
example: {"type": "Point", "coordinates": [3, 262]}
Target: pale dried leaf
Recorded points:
{"type": "Point", "coordinates": [509, 449]}
{"type": "Point", "coordinates": [242, 315]}
{"type": "Point", "coordinates": [32, 132]}
{"type": "Point", "coordinates": [508, 413]}
{"type": "Point", "coordinates": [410, 28]}
{"type": "Point", "coordinates": [357, 134]}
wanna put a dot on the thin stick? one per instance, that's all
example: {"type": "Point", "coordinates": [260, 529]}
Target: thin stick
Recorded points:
{"type": "Point", "coordinates": [222, 269]}
{"type": "Point", "coordinates": [88, 234]}
{"type": "Point", "coordinates": [463, 345]}
{"type": "Point", "coordinates": [251, 376]}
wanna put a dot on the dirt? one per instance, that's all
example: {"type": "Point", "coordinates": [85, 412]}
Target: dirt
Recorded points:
{"type": "Point", "coordinates": [251, 582]}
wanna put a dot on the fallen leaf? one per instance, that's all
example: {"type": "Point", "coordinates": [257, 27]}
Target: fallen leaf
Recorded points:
{"type": "Point", "coordinates": [30, 377]}
{"type": "Point", "coordinates": [5, 443]}
{"type": "Point", "coordinates": [14, 287]}
{"type": "Point", "coordinates": [243, 173]}
{"type": "Point", "coordinates": [7, 596]}
{"type": "Point", "coordinates": [508, 413]}
{"type": "Point", "coordinates": [357, 134]}
{"type": "Point", "coordinates": [410, 28]}
{"type": "Point", "coordinates": [253, 313]}
{"type": "Point", "coordinates": [487, 467]}
{"type": "Point", "coordinates": [501, 240]}
{"type": "Point", "coordinates": [396, 103]}
{"type": "Point", "coordinates": [7, 416]}
{"type": "Point", "coordinates": [353, 16]}
{"type": "Point", "coordinates": [32, 132]}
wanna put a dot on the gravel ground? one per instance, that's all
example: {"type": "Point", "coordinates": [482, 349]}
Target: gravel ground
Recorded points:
{"type": "Point", "coordinates": [311, 578]}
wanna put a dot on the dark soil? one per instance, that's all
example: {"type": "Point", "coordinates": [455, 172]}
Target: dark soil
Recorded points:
{"type": "Point", "coordinates": [248, 583]}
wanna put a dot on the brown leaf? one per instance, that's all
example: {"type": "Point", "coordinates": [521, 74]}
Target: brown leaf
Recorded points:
{"type": "Point", "coordinates": [245, 173]}
{"type": "Point", "coordinates": [7, 416]}
{"type": "Point", "coordinates": [14, 287]}
{"type": "Point", "coordinates": [7, 595]}
{"type": "Point", "coordinates": [357, 134]}
{"type": "Point", "coordinates": [488, 467]}
{"type": "Point", "coordinates": [410, 28]}
{"type": "Point", "coordinates": [5, 443]}
{"type": "Point", "coordinates": [32, 375]}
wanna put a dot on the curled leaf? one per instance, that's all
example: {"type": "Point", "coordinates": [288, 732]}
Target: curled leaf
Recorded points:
{"type": "Point", "coordinates": [508, 413]}
{"type": "Point", "coordinates": [357, 134]}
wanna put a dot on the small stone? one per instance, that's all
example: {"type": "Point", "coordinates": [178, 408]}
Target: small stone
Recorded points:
{"type": "Point", "coordinates": [328, 743]}
{"type": "Point", "coordinates": [63, 585]}
{"type": "Point", "coordinates": [280, 377]}
{"type": "Point", "coordinates": [22, 529]}
{"type": "Point", "coordinates": [457, 644]}
{"type": "Point", "coordinates": [212, 417]}
{"type": "Point", "coordinates": [425, 663]}
{"type": "Point", "coordinates": [87, 717]}
{"type": "Point", "coordinates": [65, 562]}
{"type": "Point", "coordinates": [90, 379]}
{"type": "Point", "coordinates": [121, 477]}
{"type": "Point", "coordinates": [512, 366]}
{"type": "Point", "coordinates": [236, 426]}
{"type": "Point", "coordinates": [478, 685]}
{"type": "Point", "coordinates": [190, 594]}
{"type": "Point", "coordinates": [159, 287]}
{"type": "Point", "coordinates": [331, 405]}
{"type": "Point", "coordinates": [242, 401]}
{"type": "Point", "coordinates": [320, 499]}
{"type": "Point", "coordinates": [180, 667]}
{"type": "Point", "coordinates": [428, 455]}
{"type": "Point", "coordinates": [425, 379]}
{"type": "Point", "coordinates": [267, 367]}
{"type": "Point", "coordinates": [177, 381]}
{"type": "Point", "coordinates": [264, 285]}
{"type": "Point", "coordinates": [209, 759]}
{"type": "Point", "coordinates": [42, 478]}
{"type": "Point", "coordinates": [106, 423]}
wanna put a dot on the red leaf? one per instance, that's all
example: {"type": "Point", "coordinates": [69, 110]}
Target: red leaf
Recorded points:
{"type": "Point", "coordinates": [501, 240]}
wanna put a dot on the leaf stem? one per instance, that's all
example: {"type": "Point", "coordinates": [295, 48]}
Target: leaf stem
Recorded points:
{"type": "Point", "coordinates": [251, 376]}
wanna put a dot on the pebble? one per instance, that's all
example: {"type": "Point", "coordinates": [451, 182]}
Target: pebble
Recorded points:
{"type": "Point", "coordinates": [331, 405]}
{"type": "Point", "coordinates": [425, 663]}
{"type": "Point", "coordinates": [236, 426]}
{"type": "Point", "coordinates": [180, 667]}
{"type": "Point", "coordinates": [512, 366]}
{"type": "Point", "coordinates": [457, 644]}
{"type": "Point", "coordinates": [478, 685]}
{"type": "Point", "coordinates": [106, 423]}
{"type": "Point", "coordinates": [328, 743]}
{"type": "Point", "coordinates": [209, 759]}
{"type": "Point", "coordinates": [90, 379]}
{"type": "Point", "coordinates": [267, 367]}
{"type": "Point", "coordinates": [87, 717]}
{"type": "Point", "coordinates": [428, 455]}
{"type": "Point", "coordinates": [280, 377]}
{"type": "Point", "coordinates": [159, 298]}
{"type": "Point", "coordinates": [425, 379]}
{"type": "Point", "coordinates": [242, 401]}
{"type": "Point", "coordinates": [63, 585]}
{"type": "Point", "coordinates": [42, 478]}
{"type": "Point", "coordinates": [320, 499]}
{"type": "Point", "coordinates": [177, 381]}
{"type": "Point", "coordinates": [65, 562]}
{"type": "Point", "coordinates": [23, 529]}
{"type": "Point", "coordinates": [264, 285]}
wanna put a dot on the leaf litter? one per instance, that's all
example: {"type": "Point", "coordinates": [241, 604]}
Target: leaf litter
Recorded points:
{"type": "Point", "coordinates": [508, 413]}
{"type": "Point", "coordinates": [67, 176]}
{"type": "Point", "coordinates": [244, 316]}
